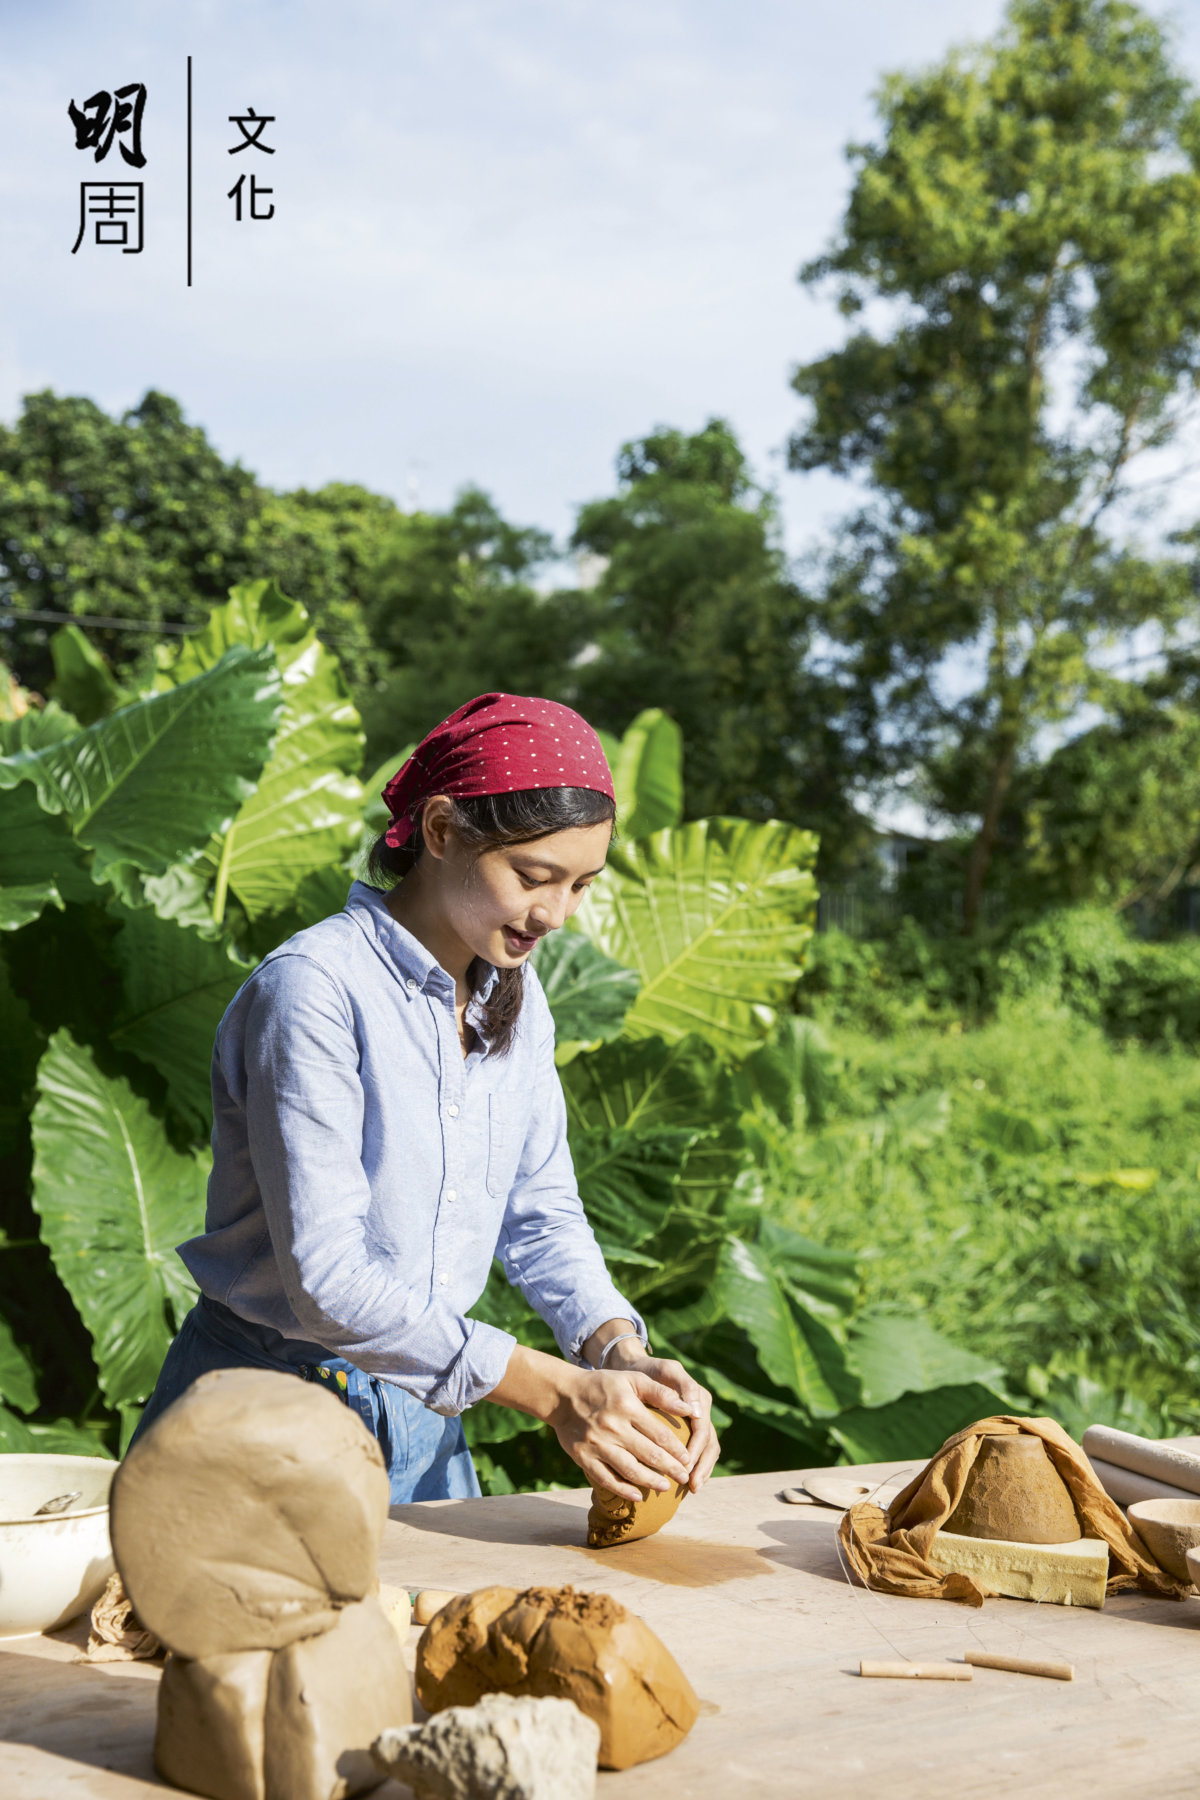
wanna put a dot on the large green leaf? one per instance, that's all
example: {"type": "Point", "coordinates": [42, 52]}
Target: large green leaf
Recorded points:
{"type": "Point", "coordinates": [40, 726]}
{"type": "Point", "coordinates": [177, 983]}
{"type": "Point", "coordinates": [17, 1384]}
{"type": "Point", "coordinates": [715, 917]}
{"type": "Point", "coordinates": [41, 864]}
{"type": "Point", "coordinates": [147, 786]}
{"type": "Point", "coordinates": [823, 1280]}
{"type": "Point", "coordinates": [589, 993]}
{"type": "Point", "coordinates": [916, 1425]}
{"type": "Point", "coordinates": [628, 1181]}
{"type": "Point", "coordinates": [796, 1353]}
{"type": "Point", "coordinates": [894, 1354]}
{"type": "Point", "coordinates": [777, 1414]}
{"type": "Point", "coordinates": [114, 1199]}
{"type": "Point", "coordinates": [649, 1087]}
{"type": "Point", "coordinates": [83, 681]}
{"type": "Point", "coordinates": [306, 810]}
{"type": "Point", "coordinates": [648, 775]}
{"type": "Point", "coordinates": [375, 814]}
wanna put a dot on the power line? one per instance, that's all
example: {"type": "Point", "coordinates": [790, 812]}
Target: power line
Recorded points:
{"type": "Point", "coordinates": [44, 614]}
{"type": "Point", "coordinates": [48, 616]}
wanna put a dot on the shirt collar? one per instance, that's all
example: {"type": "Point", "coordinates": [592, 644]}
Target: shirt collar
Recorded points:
{"type": "Point", "coordinates": [419, 972]}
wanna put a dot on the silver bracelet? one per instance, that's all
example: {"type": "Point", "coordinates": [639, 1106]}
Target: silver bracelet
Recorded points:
{"type": "Point", "coordinates": [619, 1339]}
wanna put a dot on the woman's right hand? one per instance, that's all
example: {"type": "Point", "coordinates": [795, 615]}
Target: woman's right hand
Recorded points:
{"type": "Point", "coordinates": [604, 1423]}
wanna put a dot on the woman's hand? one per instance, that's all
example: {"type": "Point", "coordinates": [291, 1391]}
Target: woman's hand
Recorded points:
{"type": "Point", "coordinates": [688, 1398]}
{"type": "Point", "coordinates": [604, 1424]}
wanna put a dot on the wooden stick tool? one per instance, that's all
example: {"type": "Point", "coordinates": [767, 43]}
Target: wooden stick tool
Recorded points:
{"type": "Point", "coordinates": [1022, 1665]}
{"type": "Point", "coordinates": [915, 1671]}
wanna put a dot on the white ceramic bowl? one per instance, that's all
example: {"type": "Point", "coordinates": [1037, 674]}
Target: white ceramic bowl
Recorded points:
{"type": "Point", "coordinates": [53, 1568]}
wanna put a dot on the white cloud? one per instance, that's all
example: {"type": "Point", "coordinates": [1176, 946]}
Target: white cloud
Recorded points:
{"type": "Point", "coordinates": [508, 236]}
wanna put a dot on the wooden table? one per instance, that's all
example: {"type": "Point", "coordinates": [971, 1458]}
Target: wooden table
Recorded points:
{"type": "Point", "coordinates": [750, 1596]}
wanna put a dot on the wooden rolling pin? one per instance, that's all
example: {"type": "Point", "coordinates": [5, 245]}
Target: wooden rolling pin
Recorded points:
{"type": "Point", "coordinates": [1021, 1665]}
{"type": "Point", "coordinates": [1159, 1462]}
{"type": "Point", "coordinates": [910, 1671]}
{"type": "Point", "coordinates": [1123, 1486]}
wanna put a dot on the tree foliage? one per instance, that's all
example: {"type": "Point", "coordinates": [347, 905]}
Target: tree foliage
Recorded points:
{"type": "Point", "coordinates": [697, 614]}
{"type": "Point", "coordinates": [1023, 228]}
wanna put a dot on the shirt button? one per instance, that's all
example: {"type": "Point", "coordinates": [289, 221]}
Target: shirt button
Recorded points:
{"type": "Point", "coordinates": [452, 1193]}
{"type": "Point", "coordinates": [411, 986]}
{"type": "Point", "coordinates": [442, 1280]}
{"type": "Point", "coordinates": [453, 1111]}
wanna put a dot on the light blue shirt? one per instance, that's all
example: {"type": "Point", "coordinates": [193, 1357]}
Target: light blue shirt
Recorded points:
{"type": "Point", "coordinates": [365, 1173]}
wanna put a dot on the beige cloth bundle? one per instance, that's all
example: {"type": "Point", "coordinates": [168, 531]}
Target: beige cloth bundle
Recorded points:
{"type": "Point", "coordinates": [890, 1551]}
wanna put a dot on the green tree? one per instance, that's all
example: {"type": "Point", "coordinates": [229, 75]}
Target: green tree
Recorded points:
{"type": "Point", "coordinates": [698, 614]}
{"type": "Point", "coordinates": [453, 607]}
{"type": "Point", "coordinates": [1024, 229]}
{"type": "Point", "coordinates": [139, 518]}
{"type": "Point", "coordinates": [136, 517]}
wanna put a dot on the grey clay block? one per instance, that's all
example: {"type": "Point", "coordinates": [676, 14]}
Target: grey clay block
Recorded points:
{"type": "Point", "coordinates": [500, 1749]}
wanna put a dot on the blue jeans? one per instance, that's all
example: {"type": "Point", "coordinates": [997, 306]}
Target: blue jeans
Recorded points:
{"type": "Point", "coordinates": [426, 1454]}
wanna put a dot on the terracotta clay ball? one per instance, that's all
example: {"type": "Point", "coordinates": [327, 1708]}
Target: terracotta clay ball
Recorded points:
{"type": "Point", "coordinates": [613, 1520]}
{"type": "Point", "coordinates": [249, 1514]}
{"type": "Point", "coordinates": [554, 1641]}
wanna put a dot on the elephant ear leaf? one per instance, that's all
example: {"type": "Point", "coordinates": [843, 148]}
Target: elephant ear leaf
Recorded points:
{"type": "Point", "coordinates": [589, 993]}
{"type": "Point", "coordinates": [17, 1386]}
{"type": "Point", "coordinates": [114, 1199]}
{"type": "Point", "coordinates": [795, 1350]}
{"type": "Point", "coordinates": [715, 918]}
{"type": "Point", "coordinates": [147, 786]}
{"type": "Point", "coordinates": [306, 810]}
{"type": "Point", "coordinates": [177, 983]}
{"type": "Point", "coordinates": [648, 775]}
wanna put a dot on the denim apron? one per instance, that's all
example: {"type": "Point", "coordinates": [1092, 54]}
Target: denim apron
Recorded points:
{"type": "Point", "coordinates": [425, 1453]}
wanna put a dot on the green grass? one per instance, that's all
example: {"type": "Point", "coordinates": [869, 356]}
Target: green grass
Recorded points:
{"type": "Point", "coordinates": [1034, 1189]}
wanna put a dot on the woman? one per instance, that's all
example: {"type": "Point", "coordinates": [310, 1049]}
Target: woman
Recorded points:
{"type": "Point", "coordinates": [388, 1116]}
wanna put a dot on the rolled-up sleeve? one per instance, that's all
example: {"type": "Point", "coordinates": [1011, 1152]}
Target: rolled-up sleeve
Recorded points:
{"type": "Point", "coordinates": [547, 1248]}
{"type": "Point", "coordinates": [304, 1114]}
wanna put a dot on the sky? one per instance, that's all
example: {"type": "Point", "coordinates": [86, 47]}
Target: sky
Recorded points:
{"type": "Point", "coordinates": [508, 236]}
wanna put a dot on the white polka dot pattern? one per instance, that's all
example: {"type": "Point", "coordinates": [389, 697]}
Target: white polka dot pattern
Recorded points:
{"type": "Point", "coordinates": [491, 746]}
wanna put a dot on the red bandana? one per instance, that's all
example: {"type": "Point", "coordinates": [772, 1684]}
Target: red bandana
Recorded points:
{"type": "Point", "coordinates": [496, 744]}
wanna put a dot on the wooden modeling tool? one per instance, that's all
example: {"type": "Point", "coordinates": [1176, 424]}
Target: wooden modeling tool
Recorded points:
{"type": "Point", "coordinates": [914, 1671]}
{"type": "Point", "coordinates": [1021, 1665]}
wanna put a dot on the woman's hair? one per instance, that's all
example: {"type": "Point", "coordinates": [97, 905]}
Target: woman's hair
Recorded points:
{"type": "Point", "coordinates": [485, 823]}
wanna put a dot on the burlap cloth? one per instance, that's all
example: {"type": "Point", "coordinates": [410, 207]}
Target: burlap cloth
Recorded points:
{"type": "Point", "coordinates": [890, 1551]}
{"type": "Point", "coordinates": [117, 1634]}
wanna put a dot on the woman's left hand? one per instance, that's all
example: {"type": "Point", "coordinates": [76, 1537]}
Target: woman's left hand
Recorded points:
{"type": "Point", "coordinates": [703, 1449]}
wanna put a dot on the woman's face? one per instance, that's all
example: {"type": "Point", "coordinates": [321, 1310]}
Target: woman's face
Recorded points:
{"type": "Point", "coordinates": [502, 902]}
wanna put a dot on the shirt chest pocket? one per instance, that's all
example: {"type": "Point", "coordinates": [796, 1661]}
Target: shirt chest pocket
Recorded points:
{"type": "Point", "coordinates": [505, 1138]}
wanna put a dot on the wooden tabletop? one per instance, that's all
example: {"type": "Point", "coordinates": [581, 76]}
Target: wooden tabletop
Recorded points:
{"type": "Point", "coordinates": [750, 1596]}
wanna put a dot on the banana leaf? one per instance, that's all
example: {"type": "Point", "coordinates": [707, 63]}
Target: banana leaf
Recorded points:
{"type": "Point", "coordinates": [177, 983]}
{"type": "Point", "coordinates": [147, 786]}
{"type": "Point", "coordinates": [306, 810]}
{"type": "Point", "coordinates": [114, 1199]}
{"type": "Point", "coordinates": [715, 917]}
